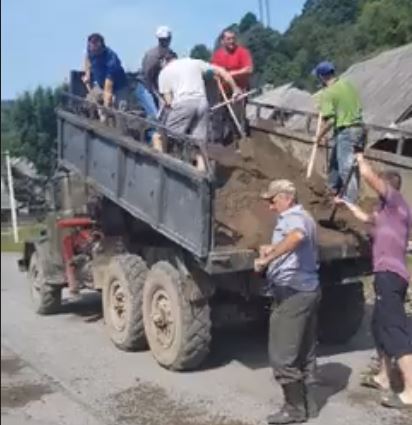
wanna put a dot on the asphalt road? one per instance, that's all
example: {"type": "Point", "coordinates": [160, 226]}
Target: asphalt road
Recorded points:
{"type": "Point", "coordinates": [63, 369]}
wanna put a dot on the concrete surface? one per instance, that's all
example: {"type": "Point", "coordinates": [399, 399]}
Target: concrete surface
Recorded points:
{"type": "Point", "coordinates": [63, 369]}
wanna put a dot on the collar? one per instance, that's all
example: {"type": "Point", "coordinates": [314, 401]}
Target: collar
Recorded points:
{"type": "Point", "coordinates": [291, 210]}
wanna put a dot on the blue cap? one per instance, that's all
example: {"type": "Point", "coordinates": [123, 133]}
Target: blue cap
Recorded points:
{"type": "Point", "coordinates": [323, 68]}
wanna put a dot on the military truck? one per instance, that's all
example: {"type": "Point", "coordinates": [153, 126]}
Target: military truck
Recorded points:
{"type": "Point", "coordinates": [138, 226]}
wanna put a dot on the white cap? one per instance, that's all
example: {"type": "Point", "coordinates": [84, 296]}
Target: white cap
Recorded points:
{"type": "Point", "coordinates": [163, 32]}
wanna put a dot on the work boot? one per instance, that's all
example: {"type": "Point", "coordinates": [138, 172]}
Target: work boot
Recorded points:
{"type": "Point", "coordinates": [312, 407]}
{"type": "Point", "coordinates": [294, 409]}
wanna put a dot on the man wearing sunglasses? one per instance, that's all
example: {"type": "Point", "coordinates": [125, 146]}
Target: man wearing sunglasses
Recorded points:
{"type": "Point", "coordinates": [291, 267]}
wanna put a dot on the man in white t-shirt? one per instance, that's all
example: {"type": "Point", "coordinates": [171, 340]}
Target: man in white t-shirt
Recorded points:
{"type": "Point", "coordinates": [182, 85]}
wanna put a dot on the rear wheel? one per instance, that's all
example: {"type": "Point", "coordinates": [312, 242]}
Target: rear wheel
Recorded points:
{"type": "Point", "coordinates": [177, 330]}
{"type": "Point", "coordinates": [46, 298]}
{"type": "Point", "coordinates": [122, 302]}
{"type": "Point", "coordinates": [341, 312]}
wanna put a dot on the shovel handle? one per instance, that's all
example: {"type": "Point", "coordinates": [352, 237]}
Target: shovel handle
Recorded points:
{"type": "Point", "coordinates": [229, 107]}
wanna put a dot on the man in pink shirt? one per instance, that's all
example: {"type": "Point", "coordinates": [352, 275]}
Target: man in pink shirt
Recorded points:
{"type": "Point", "coordinates": [390, 229]}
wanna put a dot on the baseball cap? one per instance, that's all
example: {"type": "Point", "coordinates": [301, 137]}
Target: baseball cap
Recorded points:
{"type": "Point", "coordinates": [323, 68]}
{"type": "Point", "coordinates": [279, 186]}
{"type": "Point", "coordinates": [163, 32]}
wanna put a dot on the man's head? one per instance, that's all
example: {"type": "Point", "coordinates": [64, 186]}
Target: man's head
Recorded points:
{"type": "Point", "coordinates": [392, 178]}
{"type": "Point", "coordinates": [164, 35]}
{"type": "Point", "coordinates": [281, 194]}
{"type": "Point", "coordinates": [229, 40]}
{"type": "Point", "coordinates": [325, 71]}
{"type": "Point", "coordinates": [95, 44]}
{"type": "Point", "coordinates": [170, 56]}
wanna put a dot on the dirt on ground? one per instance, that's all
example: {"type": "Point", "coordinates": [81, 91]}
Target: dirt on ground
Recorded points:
{"type": "Point", "coordinates": [243, 220]}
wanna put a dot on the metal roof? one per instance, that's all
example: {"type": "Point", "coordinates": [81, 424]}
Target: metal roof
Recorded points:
{"type": "Point", "coordinates": [384, 83]}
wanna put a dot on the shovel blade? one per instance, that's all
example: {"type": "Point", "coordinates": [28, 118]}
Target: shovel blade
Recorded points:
{"type": "Point", "coordinates": [246, 148]}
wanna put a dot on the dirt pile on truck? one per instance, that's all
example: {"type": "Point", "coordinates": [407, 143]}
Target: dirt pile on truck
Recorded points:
{"type": "Point", "coordinates": [243, 220]}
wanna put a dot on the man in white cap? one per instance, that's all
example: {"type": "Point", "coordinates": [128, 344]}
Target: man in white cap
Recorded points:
{"type": "Point", "coordinates": [291, 267]}
{"type": "Point", "coordinates": [152, 60]}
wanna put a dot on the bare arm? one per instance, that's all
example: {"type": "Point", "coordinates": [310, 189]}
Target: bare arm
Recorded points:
{"type": "Point", "coordinates": [357, 211]}
{"type": "Point", "coordinates": [168, 98]}
{"type": "Point", "coordinates": [247, 70]}
{"type": "Point", "coordinates": [222, 73]}
{"type": "Point", "coordinates": [371, 178]}
{"type": "Point", "coordinates": [288, 244]}
{"type": "Point", "coordinates": [108, 92]}
{"type": "Point", "coordinates": [325, 127]}
{"type": "Point", "coordinates": [87, 73]}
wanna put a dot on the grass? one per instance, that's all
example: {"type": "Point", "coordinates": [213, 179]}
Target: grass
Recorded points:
{"type": "Point", "coordinates": [26, 231]}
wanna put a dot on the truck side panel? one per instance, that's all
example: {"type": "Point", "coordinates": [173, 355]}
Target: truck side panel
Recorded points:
{"type": "Point", "coordinates": [167, 194]}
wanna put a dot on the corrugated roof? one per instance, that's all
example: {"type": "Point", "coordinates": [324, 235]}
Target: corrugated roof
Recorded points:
{"type": "Point", "coordinates": [385, 85]}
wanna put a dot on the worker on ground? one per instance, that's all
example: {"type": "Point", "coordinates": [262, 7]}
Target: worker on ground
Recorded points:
{"type": "Point", "coordinates": [152, 60]}
{"type": "Point", "coordinates": [182, 86]}
{"type": "Point", "coordinates": [291, 267]}
{"type": "Point", "coordinates": [341, 110]}
{"type": "Point", "coordinates": [390, 230]}
{"type": "Point", "coordinates": [104, 75]}
{"type": "Point", "coordinates": [237, 60]}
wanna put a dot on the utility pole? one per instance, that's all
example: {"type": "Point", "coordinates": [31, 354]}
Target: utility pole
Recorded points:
{"type": "Point", "coordinates": [264, 12]}
{"type": "Point", "coordinates": [261, 17]}
{"type": "Point", "coordinates": [267, 13]}
{"type": "Point", "coordinates": [12, 198]}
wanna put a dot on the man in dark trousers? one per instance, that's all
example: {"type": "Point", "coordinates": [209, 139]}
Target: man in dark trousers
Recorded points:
{"type": "Point", "coordinates": [152, 60]}
{"type": "Point", "coordinates": [238, 62]}
{"type": "Point", "coordinates": [390, 231]}
{"type": "Point", "coordinates": [291, 266]}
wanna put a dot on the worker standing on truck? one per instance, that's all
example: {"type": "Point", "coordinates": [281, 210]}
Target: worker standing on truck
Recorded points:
{"type": "Point", "coordinates": [291, 266]}
{"type": "Point", "coordinates": [152, 60]}
{"type": "Point", "coordinates": [237, 60]}
{"type": "Point", "coordinates": [182, 86]}
{"type": "Point", "coordinates": [341, 110]}
{"type": "Point", "coordinates": [391, 328]}
{"type": "Point", "coordinates": [104, 75]}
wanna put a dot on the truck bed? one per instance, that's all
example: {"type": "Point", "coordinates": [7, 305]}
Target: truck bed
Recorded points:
{"type": "Point", "coordinates": [170, 195]}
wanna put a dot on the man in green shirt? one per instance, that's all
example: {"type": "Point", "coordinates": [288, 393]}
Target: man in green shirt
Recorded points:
{"type": "Point", "coordinates": [341, 109]}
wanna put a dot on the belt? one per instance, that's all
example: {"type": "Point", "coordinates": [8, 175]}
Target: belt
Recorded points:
{"type": "Point", "coordinates": [338, 129]}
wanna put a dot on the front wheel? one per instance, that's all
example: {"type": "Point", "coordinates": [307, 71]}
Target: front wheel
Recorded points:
{"type": "Point", "coordinates": [46, 298]}
{"type": "Point", "coordinates": [177, 330]}
{"type": "Point", "coordinates": [341, 312]}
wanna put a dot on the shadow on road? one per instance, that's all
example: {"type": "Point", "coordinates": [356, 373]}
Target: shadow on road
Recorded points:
{"type": "Point", "coordinates": [89, 307]}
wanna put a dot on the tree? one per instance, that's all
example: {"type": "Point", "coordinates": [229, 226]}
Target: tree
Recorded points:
{"type": "Point", "coordinates": [200, 51]}
{"type": "Point", "coordinates": [247, 22]}
{"type": "Point", "coordinates": [31, 128]}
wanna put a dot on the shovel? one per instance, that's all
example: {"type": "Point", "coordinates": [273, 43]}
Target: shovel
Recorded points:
{"type": "Point", "coordinates": [245, 144]}
{"type": "Point", "coordinates": [314, 150]}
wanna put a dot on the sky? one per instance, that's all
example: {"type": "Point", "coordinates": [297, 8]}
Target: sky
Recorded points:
{"type": "Point", "coordinates": [42, 40]}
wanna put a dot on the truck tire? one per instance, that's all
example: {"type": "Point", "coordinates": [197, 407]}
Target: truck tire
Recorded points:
{"type": "Point", "coordinates": [46, 298]}
{"type": "Point", "coordinates": [341, 312]}
{"type": "Point", "coordinates": [122, 302]}
{"type": "Point", "coordinates": [177, 330]}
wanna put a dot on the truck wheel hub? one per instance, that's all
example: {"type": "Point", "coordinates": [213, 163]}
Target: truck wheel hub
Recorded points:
{"type": "Point", "coordinates": [162, 318]}
{"type": "Point", "coordinates": [118, 305]}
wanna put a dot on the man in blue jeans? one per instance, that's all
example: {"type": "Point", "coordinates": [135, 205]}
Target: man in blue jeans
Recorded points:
{"type": "Point", "coordinates": [340, 108]}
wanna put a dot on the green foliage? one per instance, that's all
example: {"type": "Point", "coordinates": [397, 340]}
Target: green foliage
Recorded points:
{"type": "Point", "coordinates": [200, 51]}
{"type": "Point", "coordinates": [247, 22]}
{"type": "Point", "coordinates": [343, 31]}
{"type": "Point", "coordinates": [29, 127]}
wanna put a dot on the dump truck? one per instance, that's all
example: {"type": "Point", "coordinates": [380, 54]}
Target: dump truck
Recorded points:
{"type": "Point", "coordinates": [139, 226]}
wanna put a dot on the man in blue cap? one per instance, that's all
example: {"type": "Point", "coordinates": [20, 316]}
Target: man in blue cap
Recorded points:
{"type": "Point", "coordinates": [340, 108]}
